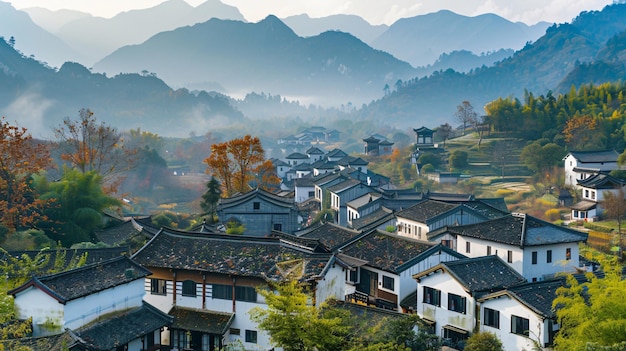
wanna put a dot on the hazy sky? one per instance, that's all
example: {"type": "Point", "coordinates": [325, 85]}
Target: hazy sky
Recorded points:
{"type": "Point", "coordinates": [374, 11]}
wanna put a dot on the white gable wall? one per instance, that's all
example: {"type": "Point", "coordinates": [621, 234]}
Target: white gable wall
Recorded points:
{"type": "Point", "coordinates": [479, 248]}
{"type": "Point", "coordinates": [412, 229]}
{"type": "Point", "coordinates": [441, 315]}
{"type": "Point", "coordinates": [538, 329]}
{"type": "Point", "coordinates": [407, 283]}
{"type": "Point", "coordinates": [42, 307]}
{"type": "Point", "coordinates": [332, 286]}
{"type": "Point", "coordinates": [560, 262]}
{"type": "Point", "coordinates": [302, 193]}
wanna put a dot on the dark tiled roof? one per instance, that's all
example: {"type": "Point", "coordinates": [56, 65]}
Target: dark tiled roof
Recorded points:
{"type": "Point", "coordinates": [87, 280]}
{"type": "Point", "coordinates": [601, 181]}
{"type": "Point", "coordinates": [71, 255]}
{"type": "Point", "coordinates": [313, 244]}
{"type": "Point", "coordinates": [384, 250]}
{"type": "Point", "coordinates": [119, 328]}
{"type": "Point", "coordinates": [373, 220]}
{"type": "Point", "coordinates": [584, 205]}
{"type": "Point", "coordinates": [306, 181]}
{"type": "Point", "coordinates": [520, 230]}
{"type": "Point", "coordinates": [485, 210]}
{"type": "Point", "coordinates": [336, 153]}
{"type": "Point", "coordinates": [537, 296]}
{"type": "Point", "coordinates": [256, 193]}
{"type": "Point", "coordinates": [303, 167]}
{"type": "Point", "coordinates": [343, 186]}
{"type": "Point", "coordinates": [410, 301]}
{"type": "Point", "coordinates": [449, 197]}
{"type": "Point", "coordinates": [58, 342]}
{"type": "Point", "coordinates": [422, 130]}
{"type": "Point", "coordinates": [425, 210]}
{"type": "Point", "coordinates": [352, 161]}
{"type": "Point", "coordinates": [482, 275]}
{"type": "Point", "coordinates": [210, 322]}
{"type": "Point", "coordinates": [314, 151]}
{"type": "Point", "coordinates": [595, 156]}
{"type": "Point", "coordinates": [229, 254]}
{"type": "Point", "coordinates": [330, 235]}
{"type": "Point", "coordinates": [297, 156]}
{"type": "Point", "coordinates": [118, 234]}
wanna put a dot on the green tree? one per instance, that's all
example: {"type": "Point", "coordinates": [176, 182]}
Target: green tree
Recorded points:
{"type": "Point", "coordinates": [78, 201]}
{"type": "Point", "coordinates": [458, 160]}
{"type": "Point", "coordinates": [592, 312]}
{"type": "Point", "coordinates": [483, 341]}
{"type": "Point", "coordinates": [430, 158]}
{"type": "Point", "coordinates": [295, 325]}
{"type": "Point", "coordinates": [540, 158]}
{"type": "Point", "coordinates": [614, 207]}
{"type": "Point", "coordinates": [211, 197]}
{"type": "Point", "coordinates": [444, 132]}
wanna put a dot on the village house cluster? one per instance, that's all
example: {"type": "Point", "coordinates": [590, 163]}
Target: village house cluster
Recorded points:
{"type": "Point", "coordinates": [463, 264]}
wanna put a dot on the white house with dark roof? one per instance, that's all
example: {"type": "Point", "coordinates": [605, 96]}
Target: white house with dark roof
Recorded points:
{"type": "Point", "coordinates": [535, 248]}
{"type": "Point", "coordinates": [342, 193]}
{"type": "Point", "coordinates": [580, 165]}
{"type": "Point", "coordinates": [447, 293]}
{"type": "Point", "coordinates": [315, 154]}
{"type": "Point", "coordinates": [428, 215]}
{"type": "Point", "coordinates": [363, 205]}
{"type": "Point", "coordinates": [76, 298]}
{"type": "Point", "coordinates": [384, 265]}
{"type": "Point", "coordinates": [296, 158]}
{"type": "Point", "coordinates": [593, 191]}
{"type": "Point", "coordinates": [213, 279]}
{"type": "Point", "coordinates": [521, 315]}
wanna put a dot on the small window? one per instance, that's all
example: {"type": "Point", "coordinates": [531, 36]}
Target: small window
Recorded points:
{"type": "Point", "coordinates": [224, 292]}
{"type": "Point", "coordinates": [467, 247]}
{"type": "Point", "coordinates": [235, 331]}
{"type": "Point", "coordinates": [256, 205]}
{"type": "Point", "coordinates": [353, 275]}
{"type": "Point", "coordinates": [432, 296]}
{"type": "Point", "coordinates": [158, 287]}
{"type": "Point", "coordinates": [520, 326]}
{"type": "Point", "coordinates": [245, 293]}
{"type": "Point", "coordinates": [388, 282]}
{"type": "Point", "coordinates": [251, 336]}
{"type": "Point", "coordinates": [488, 250]}
{"type": "Point", "coordinates": [189, 288]}
{"type": "Point", "coordinates": [456, 303]}
{"type": "Point", "coordinates": [491, 318]}
{"type": "Point", "coordinates": [509, 256]}
{"type": "Point", "coordinates": [278, 226]}
{"type": "Point", "coordinates": [568, 253]}
{"type": "Point", "coordinates": [534, 257]}
{"type": "Point", "coordinates": [549, 256]}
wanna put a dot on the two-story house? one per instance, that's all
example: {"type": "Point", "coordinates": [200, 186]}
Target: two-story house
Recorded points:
{"type": "Point", "coordinates": [521, 315]}
{"type": "Point", "coordinates": [580, 165]}
{"type": "Point", "coordinates": [213, 278]}
{"type": "Point", "coordinates": [384, 265]}
{"type": "Point", "coordinates": [428, 215]}
{"type": "Point", "coordinates": [593, 191]}
{"type": "Point", "coordinates": [260, 212]}
{"type": "Point", "coordinates": [536, 249]}
{"type": "Point", "coordinates": [341, 194]}
{"type": "Point", "coordinates": [96, 302]}
{"type": "Point", "coordinates": [447, 293]}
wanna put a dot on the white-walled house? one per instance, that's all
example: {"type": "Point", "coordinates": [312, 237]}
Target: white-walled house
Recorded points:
{"type": "Point", "coordinates": [110, 292]}
{"type": "Point", "coordinates": [428, 215]}
{"type": "Point", "coordinates": [447, 293]}
{"type": "Point", "coordinates": [593, 191]}
{"type": "Point", "coordinates": [385, 264]}
{"type": "Point", "coordinates": [522, 315]}
{"type": "Point", "coordinates": [214, 277]}
{"type": "Point", "coordinates": [580, 165]}
{"type": "Point", "coordinates": [535, 248]}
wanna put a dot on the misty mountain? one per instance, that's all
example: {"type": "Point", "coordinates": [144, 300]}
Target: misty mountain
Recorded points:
{"type": "Point", "coordinates": [537, 68]}
{"type": "Point", "coordinates": [52, 21]}
{"type": "Point", "coordinates": [464, 61]}
{"type": "Point", "coordinates": [31, 39]}
{"type": "Point", "coordinates": [96, 37]}
{"type": "Point", "coordinates": [39, 97]}
{"type": "Point", "coordinates": [330, 68]}
{"type": "Point", "coordinates": [306, 26]}
{"type": "Point", "coordinates": [421, 39]}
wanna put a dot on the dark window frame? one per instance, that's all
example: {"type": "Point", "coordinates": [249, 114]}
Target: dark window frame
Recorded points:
{"type": "Point", "coordinates": [245, 294]}
{"type": "Point", "coordinates": [549, 256]}
{"type": "Point", "coordinates": [491, 318]}
{"type": "Point", "coordinates": [221, 291]}
{"type": "Point", "coordinates": [158, 286]}
{"type": "Point", "coordinates": [520, 325]}
{"type": "Point", "coordinates": [256, 205]}
{"type": "Point", "coordinates": [251, 336]}
{"type": "Point", "coordinates": [189, 288]}
{"type": "Point", "coordinates": [534, 257]}
{"type": "Point", "coordinates": [432, 296]}
{"type": "Point", "coordinates": [457, 303]}
{"type": "Point", "coordinates": [388, 282]}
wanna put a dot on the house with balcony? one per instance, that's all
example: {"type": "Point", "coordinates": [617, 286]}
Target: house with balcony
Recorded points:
{"type": "Point", "coordinates": [212, 279]}
{"type": "Point", "coordinates": [384, 264]}
{"type": "Point", "coordinates": [535, 248]}
{"type": "Point", "coordinates": [448, 293]}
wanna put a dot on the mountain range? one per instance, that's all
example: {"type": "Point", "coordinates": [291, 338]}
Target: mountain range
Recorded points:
{"type": "Point", "coordinates": [160, 83]}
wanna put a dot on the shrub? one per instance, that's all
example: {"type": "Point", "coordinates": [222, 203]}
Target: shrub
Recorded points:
{"type": "Point", "coordinates": [552, 214]}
